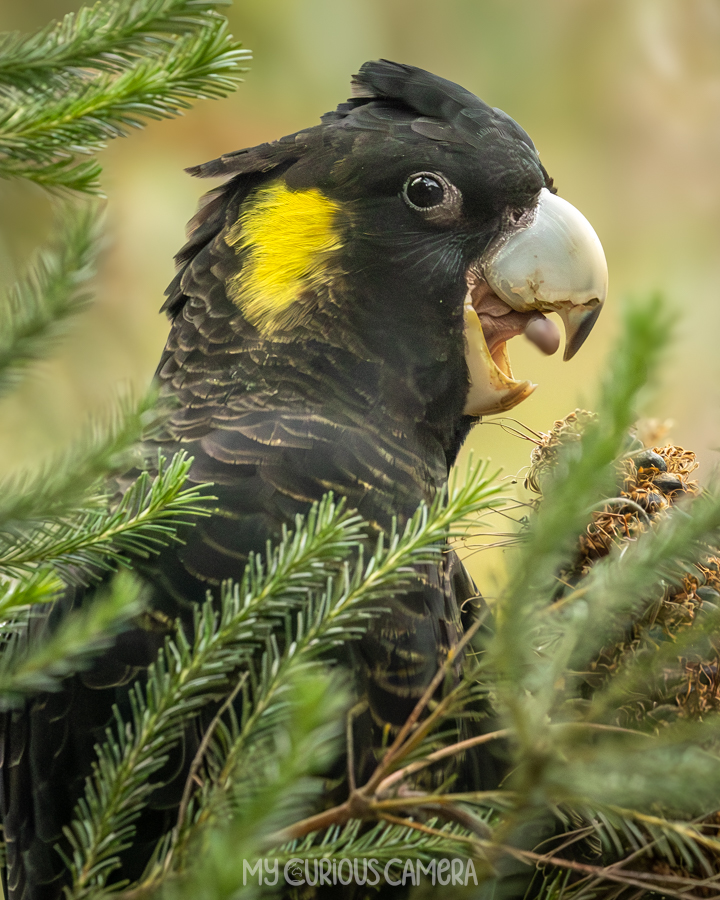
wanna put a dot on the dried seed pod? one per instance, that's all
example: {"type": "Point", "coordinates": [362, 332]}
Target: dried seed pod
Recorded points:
{"type": "Point", "coordinates": [649, 459]}
{"type": "Point", "coordinates": [650, 481]}
{"type": "Point", "coordinates": [544, 456]}
{"type": "Point", "coordinates": [668, 483]}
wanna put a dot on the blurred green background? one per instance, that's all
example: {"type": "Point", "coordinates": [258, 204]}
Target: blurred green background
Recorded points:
{"type": "Point", "coordinates": [622, 98]}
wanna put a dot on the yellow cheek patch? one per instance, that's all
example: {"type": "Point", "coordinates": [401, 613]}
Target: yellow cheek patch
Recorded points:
{"type": "Point", "coordinates": [286, 239]}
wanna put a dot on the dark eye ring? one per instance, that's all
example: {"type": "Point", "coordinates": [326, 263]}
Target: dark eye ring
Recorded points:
{"type": "Point", "coordinates": [433, 196]}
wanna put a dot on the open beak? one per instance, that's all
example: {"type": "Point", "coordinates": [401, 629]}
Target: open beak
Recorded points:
{"type": "Point", "coordinates": [550, 261]}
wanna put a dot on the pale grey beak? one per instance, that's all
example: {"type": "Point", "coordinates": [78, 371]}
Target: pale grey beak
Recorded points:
{"type": "Point", "coordinates": [550, 260]}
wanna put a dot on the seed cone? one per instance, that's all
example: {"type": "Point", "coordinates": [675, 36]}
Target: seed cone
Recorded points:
{"type": "Point", "coordinates": [650, 481]}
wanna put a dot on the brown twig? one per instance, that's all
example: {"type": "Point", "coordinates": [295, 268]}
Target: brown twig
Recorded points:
{"type": "Point", "coordinates": [420, 800]}
{"type": "Point", "coordinates": [395, 748]}
{"type": "Point", "coordinates": [644, 880]}
{"type": "Point", "coordinates": [359, 803]}
{"type": "Point", "coordinates": [427, 829]}
{"type": "Point", "coordinates": [353, 713]}
{"type": "Point", "coordinates": [202, 749]}
{"type": "Point", "coordinates": [437, 755]}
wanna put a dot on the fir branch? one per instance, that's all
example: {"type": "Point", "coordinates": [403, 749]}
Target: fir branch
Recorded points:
{"type": "Point", "coordinates": [101, 36]}
{"type": "Point", "coordinates": [75, 479]}
{"type": "Point", "coordinates": [619, 828]}
{"type": "Point", "coordinates": [650, 774]}
{"type": "Point", "coordinates": [144, 520]}
{"type": "Point", "coordinates": [27, 669]}
{"type": "Point", "coordinates": [186, 676]}
{"type": "Point", "coordinates": [411, 740]}
{"type": "Point", "coordinates": [528, 679]}
{"type": "Point", "coordinates": [342, 611]}
{"type": "Point", "coordinates": [64, 174]}
{"type": "Point", "coordinates": [224, 873]}
{"type": "Point", "coordinates": [664, 884]}
{"type": "Point", "coordinates": [19, 595]}
{"type": "Point", "coordinates": [36, 310]}
{"type": "Point", "coordinates": [382, 841]}
{"type": "Point", "coordinates": [578, 482]}
{"type": "Point", "coordinates": [284, 782]}
{"type": "Point", "coordinates": [42, 133]}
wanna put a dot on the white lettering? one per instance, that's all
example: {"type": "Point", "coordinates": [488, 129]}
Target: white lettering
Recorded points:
{"type": "Point", "coordinates": [340, 869]}
{"type": "Point", "coordinates": [470, 870]}
{"type": "Point", "coordinates": [357, 874]}
{"type": "Point", "coordinates": [325, 875]}
{"type": "Point", "coordinates": [387, 871]}
{"type": "Point", "coordinates": [293, 867]}
{"type": "Point", "coordinates": [426, 870]}
{"type": "Point", "coordinates": [443, 866]}
{"type": "Point", "coordinates": [307, 874]}
{"type": "Point", "coordinates": [376, 872]}
{"type": "Point", "coordinates": [254, 870]}
{"type": "Point", "coordinates": [408, 872]}
{"type": "Point", "coordinates": [274, 870]}
{"type": "Point", "coordinates": [457, 871]}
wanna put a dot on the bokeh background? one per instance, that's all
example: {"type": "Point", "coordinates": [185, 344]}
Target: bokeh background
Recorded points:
{"type": "Point", "coordinates": [622, 98]}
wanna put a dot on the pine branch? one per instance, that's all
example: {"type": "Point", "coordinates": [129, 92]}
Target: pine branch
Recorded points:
{"type": "Point", "coordinates": [304, 740]}
{"type": "Point", "coordinates": [36, 310]}
{"type": "Point", "coordinates": [17, 597]}
{"type": "Point", "coordinates": [343, 610]}
{"type": "Point", "coordinates": [671, 772]}
{"type": "Point", "coordinates": [144, 520]}
{"type": "Point", "coordinates": [664, 884]}
{"type": "Point", "coordinates": [27, 669]}
{"type": "Point", "coordinates": [584, 473]}
{"type": "Point", "coordinates": [678, 842]}
{"type": "Point", "coordinates": [102, 36]}
{"type": "Point", "coordinates": [65, 174]}
{"type": "Point", "coordinates": [43, 131]}
{"type": "Point", "coordinates": [75, 479]}
{"type": "Point", "coordinates": [222, 872]}
{"type": "Point", "coordinates": [528, 680]}
{"type": "Point", "coordinates": [186, 676]}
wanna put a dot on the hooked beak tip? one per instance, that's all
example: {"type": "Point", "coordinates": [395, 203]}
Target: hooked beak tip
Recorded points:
{"type": "Point", "coordinates": [579, 322]}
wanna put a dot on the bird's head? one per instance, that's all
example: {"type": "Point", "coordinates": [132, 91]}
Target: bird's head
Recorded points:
{"type": "Point", "coordinates": [417, 226]}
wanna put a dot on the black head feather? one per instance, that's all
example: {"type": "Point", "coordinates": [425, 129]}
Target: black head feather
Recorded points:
{"type": "Point", "coordinates": [386, 94]}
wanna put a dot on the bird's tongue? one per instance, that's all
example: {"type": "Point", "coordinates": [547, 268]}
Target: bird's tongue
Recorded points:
{"type": "Point", "coordinates": [500, 322]}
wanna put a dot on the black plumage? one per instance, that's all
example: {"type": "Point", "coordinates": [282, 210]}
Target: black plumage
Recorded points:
{"type": "Point", "coordinates": [357, 386]}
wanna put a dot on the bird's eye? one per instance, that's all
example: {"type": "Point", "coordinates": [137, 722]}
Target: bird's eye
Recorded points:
{"type": "Point", "coordinates": [433, 196]}
{"type": "Point", "coordinates": [424, 191]}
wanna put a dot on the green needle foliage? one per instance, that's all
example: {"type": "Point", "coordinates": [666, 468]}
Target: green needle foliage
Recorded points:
{"type": "Point", "coordinates": [102, 35]}
{"type": "Point", "coordinates": [294, 581]}
{"type": "Point", "coordinates": [35, 310]}
{"type": "Point", "coordinates": [64, 524]}
{"type": "Point", "coordinates": [67, 90]}
{"type": "Point", "coordinates": [75, 477]}
{"type": "Point", "coordinates": [590, 808]}
{"type": "Point", "coordinates": [30, 667]}
{"type": "Point", "coordinates": [144, 519]}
